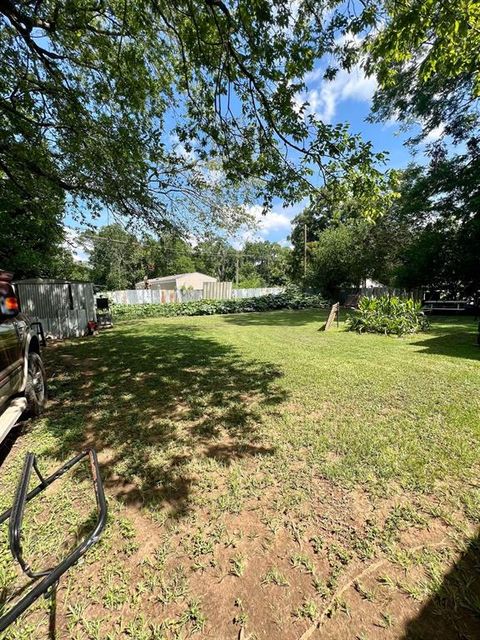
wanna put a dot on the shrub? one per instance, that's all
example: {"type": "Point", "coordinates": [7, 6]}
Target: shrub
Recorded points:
{"type": "Point", "coordinates": [388, 315]}
{"type": "Point", "coordinates": [289, 300]}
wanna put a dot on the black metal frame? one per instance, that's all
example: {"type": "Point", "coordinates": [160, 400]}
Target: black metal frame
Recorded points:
{"type": "Point", "coordinates": [15, 514]}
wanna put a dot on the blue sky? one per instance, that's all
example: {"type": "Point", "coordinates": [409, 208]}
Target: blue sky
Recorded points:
{"type": "Point", "coordinates": [347, 98]}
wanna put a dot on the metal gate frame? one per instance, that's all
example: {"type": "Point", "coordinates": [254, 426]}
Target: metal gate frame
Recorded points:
{"type": "Point", "coordinates": [50, 577]}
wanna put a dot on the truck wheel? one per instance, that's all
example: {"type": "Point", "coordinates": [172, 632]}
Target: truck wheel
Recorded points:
{"type": "Point", "coordinates": [36, 388]}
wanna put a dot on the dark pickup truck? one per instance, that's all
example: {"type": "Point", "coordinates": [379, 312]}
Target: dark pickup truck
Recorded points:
{"type": "Point", "coordinates": [22, 374]}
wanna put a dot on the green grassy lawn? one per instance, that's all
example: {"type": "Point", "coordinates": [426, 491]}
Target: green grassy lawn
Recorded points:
{"type": "Point", "coordinates": [265, 480]}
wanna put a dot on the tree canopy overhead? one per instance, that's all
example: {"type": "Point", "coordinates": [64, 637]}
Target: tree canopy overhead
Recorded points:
{"type": "Point", "coordinates": [153, 107]}
{"type": "Point", "coordinates": [425, 56]}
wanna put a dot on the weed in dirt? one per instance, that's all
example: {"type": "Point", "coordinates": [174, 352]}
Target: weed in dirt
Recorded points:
{"type": "Point", "coordinates": [273, 576]}
{"type": "Point", "coordinates": [302, 562]}
{"type": "Point", "coordinates": [193, 616]}
{"type": "Point", "coordinates": [238, 565]}
{"type": "Point", "coordinates": [308, 610]}
{"type": "Point", "coordinates": [321, 587]}
{"type": "Point", "coordinates": [76, 612]}
{"type": "Point", "coordinates": [317, 543]}
{"type": "Point", "coordinates": [367, 594]}
{"type": "Point", "coordinates": [92, 628]}
{"type": "Point", "coordinates": [386, 620]}
{"type": "Point", "coordinates": [241, 617]}
{"type": "Point", "coordinates": [174, 587]}
{"type": "Point", "coordinates": [387, 581]}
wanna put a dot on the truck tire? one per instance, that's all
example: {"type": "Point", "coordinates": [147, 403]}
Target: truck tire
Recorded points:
{"type": "Point", "coordinates": [36, 387]}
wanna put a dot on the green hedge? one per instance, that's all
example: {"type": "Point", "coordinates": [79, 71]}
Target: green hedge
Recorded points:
{"type": "Point", "coordinates": [388, 315]}
{"type": "Point", "coordinates": [287, 300]}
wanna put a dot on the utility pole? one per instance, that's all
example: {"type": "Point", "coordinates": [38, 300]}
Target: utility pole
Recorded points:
{"type": "Point", "coordinates": [237, 268]}
{"type": "Point", "coordinates": [305, 250]}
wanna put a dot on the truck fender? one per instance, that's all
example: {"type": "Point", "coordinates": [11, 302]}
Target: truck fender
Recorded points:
{"type": "Point", "coordinates": [31, 345]}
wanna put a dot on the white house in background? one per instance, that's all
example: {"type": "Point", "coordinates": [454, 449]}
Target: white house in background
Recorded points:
{"type": "Point", "coordinates": [369, 283]}
{"type": "Point", "coordinates": [179, 281]}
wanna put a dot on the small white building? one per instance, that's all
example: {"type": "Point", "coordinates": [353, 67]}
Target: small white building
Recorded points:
{"type": "Point", "coordinates": [193, 281]}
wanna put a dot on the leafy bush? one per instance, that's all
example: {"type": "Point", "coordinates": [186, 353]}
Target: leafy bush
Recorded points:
{"type": "Point", "coordinates": [388, 315]}
{"type": "Point", "coordinates": [292, 299]}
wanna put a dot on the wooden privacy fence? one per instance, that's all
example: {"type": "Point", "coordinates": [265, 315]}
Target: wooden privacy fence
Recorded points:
{"type": "Point", "coordinates": [376, 292]}
{"type": "Point", "coordinates": [217, 290]}
{"type": "Point", "coordinates": [211, 291]}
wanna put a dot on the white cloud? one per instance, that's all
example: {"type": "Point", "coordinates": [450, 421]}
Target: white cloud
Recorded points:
{"type": "Point", "coordinates": [270, 221]}
{"type": "Point", "coordinates": [347, 85]}
{"type": "Point", "coordinates": [325, 97]}
{"type": "Point", "coordinates": [73, 245]}
{"type": "Point", "coordinates": [180, 150]}
{"type": "Point", "coordinates": [435, 134]}
{"type": "Point", "coordinates": [263, 225]}
{"type": "Point", "coordinates": [393, 120]}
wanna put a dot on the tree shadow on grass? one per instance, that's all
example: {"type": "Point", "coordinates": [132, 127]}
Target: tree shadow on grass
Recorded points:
{"type": "Point", "coordinates": [452, 337]}
{"type": "Point", "coordinates": [155, 401]}
{"type": "Point", "coordinates": [453, 612]}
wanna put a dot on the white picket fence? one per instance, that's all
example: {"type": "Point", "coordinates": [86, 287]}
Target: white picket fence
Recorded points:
{"type": "Point", "coordinates": [212, 290]}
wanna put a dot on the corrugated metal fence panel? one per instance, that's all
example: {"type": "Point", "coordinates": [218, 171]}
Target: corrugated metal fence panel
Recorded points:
{"type": "Point", "coordinates": [43, 299]}
{"type": "Point", "coordinates": [211, 291]}
{"type": "Point", "coordinates": [376, 292]}
{"type": "Point", "coordinates": [217, 290]}
{"type": "Point", "coordinates": [255, 293]}
{"type": "Point", "coordinates": [83, 298]}
{"type": "Point", "coordinates": [78, 295]}
{"type": "Point", "coordinates": [51, 304]}
{"type": "Point", "coordinates": [67, 324]}
{"type": "Point", "coordinates": [91, 307]}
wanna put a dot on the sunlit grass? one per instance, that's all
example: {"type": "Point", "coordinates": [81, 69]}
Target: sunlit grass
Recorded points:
{"type": "Point", "coordinates": [255, 452]}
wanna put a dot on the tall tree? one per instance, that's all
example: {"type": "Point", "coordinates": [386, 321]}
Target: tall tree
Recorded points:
{"type": "Point", "coordinates": [425, 55]}
{"type": "Point", "coordinates": [31, 212]}
{"type": "Point", "coordinates": [216, 257]}
{"type": "Point", "coordinates": [342, 257]}
{"type": "Point", "coordinates": [166, 255]}
{"type": "Point", "coordinates": [115, 257]}
{"type": "Point", "coordinates": [264, 263]}
{"type": "Point", "coordinates": [440, 205]}
{"type": "Point", "coordinates": [307, 227]}
{"type": "Point", "coordinates": [336, 206]}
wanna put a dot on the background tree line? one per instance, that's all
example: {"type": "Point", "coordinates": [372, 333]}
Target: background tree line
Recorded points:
{"type": "Point", "coordinates": [428, 239]}
{"type": "Point", "coordinates": [117, 259]}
